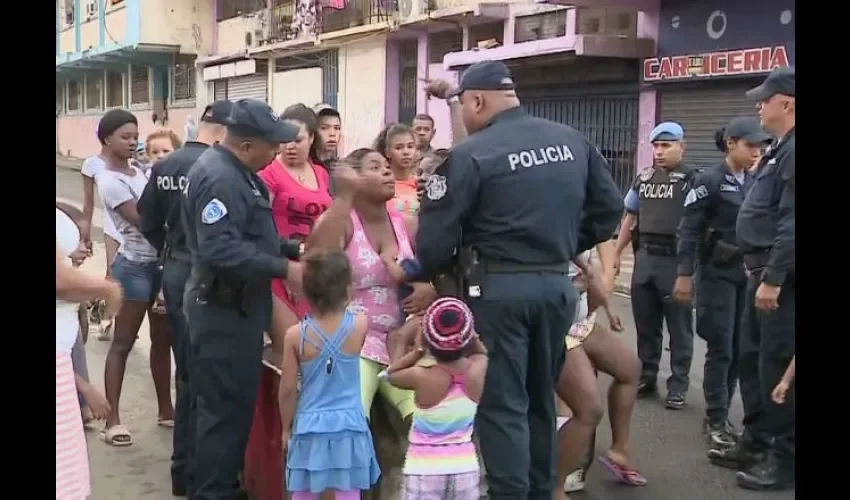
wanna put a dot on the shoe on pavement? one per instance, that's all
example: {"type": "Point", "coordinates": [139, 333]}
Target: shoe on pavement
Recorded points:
{"type": "Point", "coordinates": [720, 434]}
{"type": "Point", "coordinates": [675, 401]}
{"type": "Point", "coordinates": [646, 388]}
{"type": "Point", "coordinates": [771, 475]}
{"type": "Point", "coordinates": [576, 481]}
{"type": "Point", "coordinates": [739, 457]}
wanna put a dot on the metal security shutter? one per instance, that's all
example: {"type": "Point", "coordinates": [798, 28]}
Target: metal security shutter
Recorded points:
{"type": "Point", "coordinates": [701, 110]}
{"type": "Point", "coordinates": [248, 87]}
{"type": "Point", "coordinates": [219, 90]}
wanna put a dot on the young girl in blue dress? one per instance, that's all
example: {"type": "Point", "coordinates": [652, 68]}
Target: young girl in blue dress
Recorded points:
{"type": "Point", "coordinates": [325, 431]}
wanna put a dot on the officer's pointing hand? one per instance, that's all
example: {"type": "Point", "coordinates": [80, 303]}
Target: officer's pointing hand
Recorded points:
{"type": "Point", "coordinates": [683, 290]}
{"type": "Point", "coordinates": [437, 88]}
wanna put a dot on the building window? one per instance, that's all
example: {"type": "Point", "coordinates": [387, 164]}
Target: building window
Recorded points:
{"type": "Point", "coordinates": [94, 93]}
{"type": "Point", "coordinates": [140, 85]}
{"type": "Point", "coordinates": [233, 8]}
{"type": "Point", "coordinates": [60, 98]}
{"type": "Point", "coordinates": [75, 96]}
{"type": "Point", "coordinates": [66, 13]}
{"type": "Point", "coordinates": [114, 90]}
{"type": "Point", "coordinates": [183, 78]}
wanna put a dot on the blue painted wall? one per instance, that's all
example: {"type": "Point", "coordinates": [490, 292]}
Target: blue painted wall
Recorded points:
{"type": "Point", "coordinates": [132, 38]}
{"type": "Point", "coordinates": [699, 26]}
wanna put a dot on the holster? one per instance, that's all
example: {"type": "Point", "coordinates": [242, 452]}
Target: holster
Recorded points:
{"type": "Point", "coordinates": [724, 253]}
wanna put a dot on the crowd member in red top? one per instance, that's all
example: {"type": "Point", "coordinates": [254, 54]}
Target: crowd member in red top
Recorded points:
{"type": "Point", "coordinates": [299, 191]}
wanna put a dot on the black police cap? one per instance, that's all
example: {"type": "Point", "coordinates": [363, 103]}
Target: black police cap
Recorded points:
{"type": "Point", "coordinates": [485, 75]}
{"type": "Point", "coordinates": [217, 112]}
{"type": "Point", "coordinates": [746, 128]}
{"type": "Point", "coordinates": [779, 81]}
{"type": "Point", "coordinates": [251, 118]}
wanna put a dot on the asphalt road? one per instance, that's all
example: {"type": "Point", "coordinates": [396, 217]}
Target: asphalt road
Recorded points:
{"type": "Point", "coordinates": [668, 446]}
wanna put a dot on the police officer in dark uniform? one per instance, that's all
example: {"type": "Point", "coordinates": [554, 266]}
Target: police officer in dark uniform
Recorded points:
{"type": "Point", "coordinates": [658, 197]}
{"type": "Point", "coordinates": [766, 232]}
{"type": "Point", "coordinates": [236, 252]}
{"type": "Point", "coordinates": [159, 209]}
{"type": "Point", "coordinates": [510, 198]}
{"type": "Point", "coordinates": [707, 236]}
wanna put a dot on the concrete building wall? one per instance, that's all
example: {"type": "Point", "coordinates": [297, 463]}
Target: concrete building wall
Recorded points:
{"type": "Point", "coordinates": [362, 84]}
{"type": "Point", "coordinates": [187, 23]}
{"type": "Point", "coordinates": [117, 23]}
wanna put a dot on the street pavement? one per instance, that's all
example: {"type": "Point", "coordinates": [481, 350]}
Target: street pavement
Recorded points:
{"type": "Point", "coordinates": [668, 446]}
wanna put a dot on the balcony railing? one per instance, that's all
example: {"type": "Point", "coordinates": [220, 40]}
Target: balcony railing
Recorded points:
{"type": "Point", "coordinates": [282, 22]}
{"type": "Point", "coordinates": [335, 15]}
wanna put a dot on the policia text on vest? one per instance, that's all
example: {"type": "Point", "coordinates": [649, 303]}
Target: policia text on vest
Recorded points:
{"type": "Point", "coordinates": [538, 157]}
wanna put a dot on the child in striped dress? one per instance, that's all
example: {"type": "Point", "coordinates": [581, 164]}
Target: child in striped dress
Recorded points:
{"type": "Point", "coordinates": [441, 462]}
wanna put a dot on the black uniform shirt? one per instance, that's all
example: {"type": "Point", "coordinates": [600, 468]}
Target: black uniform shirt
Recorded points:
{"type": "Point", "coordinates": [160, 203]}
{"type": "Point", "coordinates": [228, 219]}
{"type": "Point", "coordinates": [516, 190]}
{"type": "Point", "coordinates": [767, 219]}
{"type": "Point", "coordinates": [713, 202]}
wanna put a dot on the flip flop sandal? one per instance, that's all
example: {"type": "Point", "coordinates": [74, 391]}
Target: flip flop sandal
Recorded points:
{"type": "Point", "coordinates": [117, 436]}
{"type": "Point", "coordinates": [105, 331]}
{"type": "Point", "coordinates": [165, 422]}
{"type": "Point", "coordinates": [624, 474]}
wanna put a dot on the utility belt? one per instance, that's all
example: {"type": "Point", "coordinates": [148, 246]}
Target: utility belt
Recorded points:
{"type": "Point", "coordinates": [720, 253]}
{"type": "Point", "coordinates": [472, 269]}
{"type": "Point", "coordinates": [226, 292]}
{"type": "Point", "coordinates": [658, 245]}
{"type": "Point", "coordinates": [756, 260]}
{"type": "Point", "coordinates": [179, 255]}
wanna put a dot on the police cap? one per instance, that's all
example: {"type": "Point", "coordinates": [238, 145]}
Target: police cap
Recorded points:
{"type": "Point", "coordinates": [667, 131]}
{"type": "Point", "coordinates": [485, 75]}
{"type": "Point", "coordinates": [217, 112]}
{"type": "Point", "coordinates": [779, 81]}
{"type": "Point", "coordinates": [251, 118]}
{"type": "Point", "coordinates": [747, 129]}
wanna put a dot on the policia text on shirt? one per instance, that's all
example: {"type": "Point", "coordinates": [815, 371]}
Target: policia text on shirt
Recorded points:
{"type": "Point", "coordinates": [513, 193]}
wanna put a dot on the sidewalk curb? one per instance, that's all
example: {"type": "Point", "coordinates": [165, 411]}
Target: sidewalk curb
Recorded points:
{"type": "Point", "coordinates": [69, 162]}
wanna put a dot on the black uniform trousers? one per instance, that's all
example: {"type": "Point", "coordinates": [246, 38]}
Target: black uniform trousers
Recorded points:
{"type": "Point", "coordinates": [652, 304]}
{"type": "Point", "coordinates": [174, 277]}
{"type": "Point", "coordinates": [522, 320]}
{"type": "Point", "coordinates": [227, 352]}
{"type": "Point", "coordinates": [767, 346]}
{"type": "Point", "coordinates": [720, 293]}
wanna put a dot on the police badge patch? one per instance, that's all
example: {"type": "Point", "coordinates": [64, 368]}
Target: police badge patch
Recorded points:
{"type": "Point", "coordinates": [436, 187]}
{"type": "Point", "coordinates": [645, 175]}
{"type": "Point", "coordinates": [213, 212]}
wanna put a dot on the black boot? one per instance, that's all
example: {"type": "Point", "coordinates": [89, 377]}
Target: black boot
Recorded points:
{"type": "Point", "coordinates": [741, 456]}
{"type": "Point", "coordinates": [646, 388]}
{"type": "Point", "coordinates": [773, 474]}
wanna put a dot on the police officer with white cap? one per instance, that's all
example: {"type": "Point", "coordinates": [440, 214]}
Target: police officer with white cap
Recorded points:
{"type": "Point", "coordinates": [236, 252]}
{"type": "Point", "coordinates": [509, 198]}
{"type": "Point", "coordinates": [658, 196]}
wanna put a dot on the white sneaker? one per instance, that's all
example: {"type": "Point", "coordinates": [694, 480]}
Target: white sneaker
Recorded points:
{"type": "Point", "coordinates": [575, 481]}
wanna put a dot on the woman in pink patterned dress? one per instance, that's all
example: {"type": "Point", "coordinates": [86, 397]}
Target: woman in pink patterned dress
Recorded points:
{"type": "Point", "coordinates": [361, 223]}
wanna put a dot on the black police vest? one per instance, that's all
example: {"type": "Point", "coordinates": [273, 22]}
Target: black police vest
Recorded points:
{"type": "Point", "coordinates": [661, 199]}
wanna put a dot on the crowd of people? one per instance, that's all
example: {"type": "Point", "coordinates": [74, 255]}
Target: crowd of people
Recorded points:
{"type": "Point", "coordinates": [332, 261]}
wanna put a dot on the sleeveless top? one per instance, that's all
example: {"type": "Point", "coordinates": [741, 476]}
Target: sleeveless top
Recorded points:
{"type": "Point", "coordinates": [295, 208]}
{"type": "Point", "coordinates": [441, 436]}
{"type": "Point", "coordinates": [329, 399]}
{"type": "Point", "coordinates": [67, 321]}
{"type": "Point", "coordinates": [375, 294]}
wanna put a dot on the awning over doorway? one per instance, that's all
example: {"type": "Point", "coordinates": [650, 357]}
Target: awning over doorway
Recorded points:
{"type": "Point", "coordinates": [116, 57]}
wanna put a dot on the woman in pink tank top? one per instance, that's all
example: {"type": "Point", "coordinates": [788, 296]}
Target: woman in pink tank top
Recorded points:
{"type": "Point", "coordinates": [299, 193]}
{"type": "Point", "coordinates": [361, 223]}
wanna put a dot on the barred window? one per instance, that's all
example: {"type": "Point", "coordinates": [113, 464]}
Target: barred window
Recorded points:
{"type": "Point", "coordinates": [75, 96]}
{"type": "Point", "coordinates": [114, 90]}
{"type": "Point", "coordinates": [94, 92]}
{"type": "Point", "coordinates": [183, 78]}
{"type": "Point", "coordinates": [60, 98]}
{"type": "Point", "coordinates": [140, 85]}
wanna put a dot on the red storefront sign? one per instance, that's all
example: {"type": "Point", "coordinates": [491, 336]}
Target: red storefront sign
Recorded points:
{"type": "Point", "coordinates": [729, 62]}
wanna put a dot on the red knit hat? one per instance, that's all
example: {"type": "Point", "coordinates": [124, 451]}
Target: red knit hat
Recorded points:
{"type": "Point", "coordinates": [448, 325]}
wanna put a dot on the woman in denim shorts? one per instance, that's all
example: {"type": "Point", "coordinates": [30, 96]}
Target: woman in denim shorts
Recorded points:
{"type": "Point", "coordinates": [136, 268]}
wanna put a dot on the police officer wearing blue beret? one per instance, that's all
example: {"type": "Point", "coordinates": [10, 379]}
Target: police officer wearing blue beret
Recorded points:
{"type": "Point", "coordinates": [510, 197]}
{"type": "Point", "coordinates": [766, 230]}
{"type": "Point", "coordinates": [707, 237]}
{"type": "Point", "coordinates": [236, 252]}
{"type": "Point", "coordinates": [160, 211]}
{"type": "Point", "coordinates": [655, 203]}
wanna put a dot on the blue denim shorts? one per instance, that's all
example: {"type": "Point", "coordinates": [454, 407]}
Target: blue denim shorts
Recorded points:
{"type": "Point", "coordinates": [140, 280]}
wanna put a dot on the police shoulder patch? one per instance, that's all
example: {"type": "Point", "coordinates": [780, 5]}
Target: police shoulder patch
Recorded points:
{"type": "Point", "coordinates": [213, 212]}
{"type": "Point", "coordinates": [646, 175]}
{"type": "Point", "coordinates": [436, 187]}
